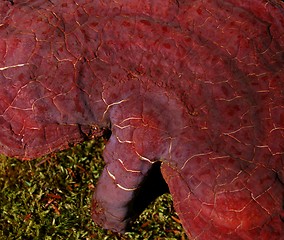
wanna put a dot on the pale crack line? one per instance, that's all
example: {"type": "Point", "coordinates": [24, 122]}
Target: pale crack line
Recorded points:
{"type": "Point", "coordinates": [112, 104]}
{"type": "Point", "coordinates": [126, 189]}
{"type": "Point", "coordinates": [123, 141]}
{"type": "Point", "coordinates": [14, 66]}
{"type": "Point", "coordinates": [117, 184]}
{"type": "Point", "coordinates": [131, 118]}
{"type": "Point", "coordinates": [196, 155]}
{"type": "Point", "coordinates": [121, 127]}
{"type": "Point", "coordinates": [144, 158]}
{"type": "Point", "coordinates": [111, 175]}
{"type": "Point", "coordinates": [128, 170]}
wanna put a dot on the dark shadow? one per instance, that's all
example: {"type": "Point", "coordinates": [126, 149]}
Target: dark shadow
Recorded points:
{"type": "Point", "coordinates": [152, 187]}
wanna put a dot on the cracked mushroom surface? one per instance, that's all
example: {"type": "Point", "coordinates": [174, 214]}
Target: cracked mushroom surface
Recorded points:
{"type": "Point", "coordinates": [192, 91]}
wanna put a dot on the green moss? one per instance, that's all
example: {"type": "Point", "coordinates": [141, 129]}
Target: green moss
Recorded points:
{"type": "Point", "coordinates": [49, 198]}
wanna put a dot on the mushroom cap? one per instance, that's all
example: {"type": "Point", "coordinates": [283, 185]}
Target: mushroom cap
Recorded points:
{"type": "Point", "coordinates": [191, 90]}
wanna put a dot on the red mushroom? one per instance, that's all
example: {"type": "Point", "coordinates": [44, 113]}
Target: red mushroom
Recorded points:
{"type": "Point", "coordinates": [194, 88]}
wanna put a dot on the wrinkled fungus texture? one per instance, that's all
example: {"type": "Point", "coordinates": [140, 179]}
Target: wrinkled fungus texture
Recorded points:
{"type": "Point", "coordinates": [194, 86]}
